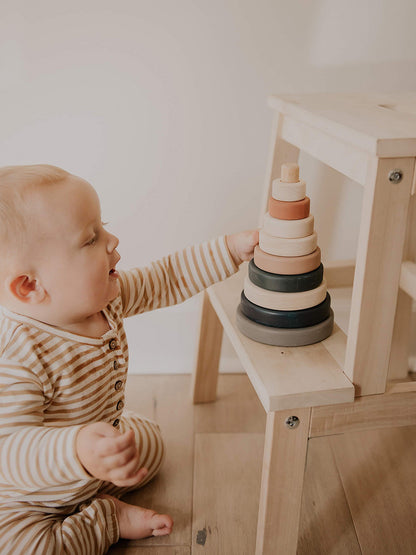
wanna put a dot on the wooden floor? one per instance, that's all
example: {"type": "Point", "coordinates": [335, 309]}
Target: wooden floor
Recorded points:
{"type": "Point", "coordinates": [360, 493]}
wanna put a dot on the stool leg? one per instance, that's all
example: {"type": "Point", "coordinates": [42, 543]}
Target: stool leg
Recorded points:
{"type": "Point", "coordinates": [377, 273]}
{"type": "Point", "coordinates": [402, 334]}
{"type": "Point", "coordinates": [282, 483]}
{"type": "Point", "coordinates": [205, 375]}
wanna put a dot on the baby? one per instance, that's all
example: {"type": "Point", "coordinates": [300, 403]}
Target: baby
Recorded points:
{"type": "Point", "coordinates": [68, 451]}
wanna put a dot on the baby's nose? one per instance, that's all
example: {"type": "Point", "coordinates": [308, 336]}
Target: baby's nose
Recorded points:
{"type": "Point", "coordinates": [112, 243]}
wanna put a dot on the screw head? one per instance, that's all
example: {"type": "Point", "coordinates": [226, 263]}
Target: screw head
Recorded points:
{"type": "Point", "coordinates": [292, 422]}
{"type": "Point", "coordinates": [395, 176]}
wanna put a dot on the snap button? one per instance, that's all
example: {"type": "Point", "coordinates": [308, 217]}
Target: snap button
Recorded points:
{"type": "Point", "coordinates": [113, 344]}
{"type": "Point", "coordinates": [116, 422]}
{"type": "Point", "coordinates": [116, 365]}
{"type": "Point", "coordinates": [120, 405]}
{"type": "Point", "coordinates": [118, 385]}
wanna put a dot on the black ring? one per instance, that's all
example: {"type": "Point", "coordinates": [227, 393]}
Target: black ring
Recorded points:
{"type": "Point", "coordinates": [286, 318]}
{"type": "Point", "coordinates": [285, 283]}
{"type": "Point", "coordinates": [284, 337]}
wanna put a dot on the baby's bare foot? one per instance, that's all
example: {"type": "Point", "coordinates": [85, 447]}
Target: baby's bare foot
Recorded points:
{"type": "Point", "coordinates": [136, 523]}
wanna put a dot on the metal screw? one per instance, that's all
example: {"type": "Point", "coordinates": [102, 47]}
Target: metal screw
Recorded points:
{"type": "Point", "coordinates": [395, 176]}
{"type": "Point", "coordinates": [292, 422]}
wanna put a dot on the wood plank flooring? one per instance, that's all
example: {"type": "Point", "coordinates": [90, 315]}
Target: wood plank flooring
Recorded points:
{"type": "Point", "coordinates": [360, 488]}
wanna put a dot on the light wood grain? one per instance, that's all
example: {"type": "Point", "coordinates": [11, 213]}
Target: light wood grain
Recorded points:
{"type": "Point", "coordinates": [402, 333]}
{"type": "Point", "coordinates": [205, 375]}
{"type": "Point", "coordinates": [171, 491]}
{"type": "Point", "coordinates": [282, 377]}
{"type": "Point", "coordinates": [340, 155]}
{"type": "Point", "coordinates": [378, 475]}
{"type": "Point", "coordinates": [368, 412]}
{"type": "Point", "coordinates": [326, 526]}
{"type": "Point", "coordinates": [408, 278]}
{"type": "Point", "coordinates": [400, 344]}
{"type": "Point", "coordinates": [282, 483]}
{"type": "Point", "coordinates": [226, 491]}
{"type": "Point", "coordinates": [380, 124]}
{"type": "Point", "coordinates": [237, 408]}
{"type": "Point", "coordinates": [376, 281]}
{"type": "Point", "coordinates": [125, 549]}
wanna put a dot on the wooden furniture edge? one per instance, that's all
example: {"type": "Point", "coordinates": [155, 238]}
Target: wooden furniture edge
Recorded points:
{"type": "Point", "coordinates": [395, 407]}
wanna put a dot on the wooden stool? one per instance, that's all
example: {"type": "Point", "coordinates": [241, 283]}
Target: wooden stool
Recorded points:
{"type": "Point", "coordinates": [349, 382]}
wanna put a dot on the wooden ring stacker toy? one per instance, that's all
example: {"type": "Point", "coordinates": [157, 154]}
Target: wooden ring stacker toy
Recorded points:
{"type": "Point", "coordinates": [287, 264]}
{"type": "Point", "coordinates": [296, 210]}
{"type": "Point", "coordinates": [289, 229]}
{"type": "Point", "coordinates": [284, 301]}
{"type": "Point", "coordinates": [280, 246]}
{"type": "Point", "coordinates": [284, 337]}
{"type": "Point", "coordinates": [285, 283]}
{"type": "Point", "coordinates": [286, 318]}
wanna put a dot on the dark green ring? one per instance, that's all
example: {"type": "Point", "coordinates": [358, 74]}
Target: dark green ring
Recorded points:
{"type": "Point", "coordinates": [285, 283]}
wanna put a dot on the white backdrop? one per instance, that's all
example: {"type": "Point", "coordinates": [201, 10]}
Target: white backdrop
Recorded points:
{"type": "Point", "coordinates": [161, 104]}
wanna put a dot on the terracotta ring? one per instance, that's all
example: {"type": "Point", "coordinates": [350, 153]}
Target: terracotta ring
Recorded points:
{"type": "Point", "coordinates": [296, 210]}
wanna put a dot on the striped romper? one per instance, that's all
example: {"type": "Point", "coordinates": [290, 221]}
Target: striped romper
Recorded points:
{"type": "Point", "coordinates": [53, 382]}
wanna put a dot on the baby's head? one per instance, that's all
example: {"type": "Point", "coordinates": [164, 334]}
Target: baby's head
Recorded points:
{"type": "Point", "coordinates": [57, 260]}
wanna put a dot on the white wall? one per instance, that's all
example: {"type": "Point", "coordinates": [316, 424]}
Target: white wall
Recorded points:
{"type": "Point", "coordinates": [162, 106]}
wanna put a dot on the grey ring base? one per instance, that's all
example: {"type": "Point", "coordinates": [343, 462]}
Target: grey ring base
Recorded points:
{"type": "Point", "coordinates": [284, 337]}
{"type": "Point", "coordinates": [293, 283]}
{"type": "Point", "coordinates": [286, 318]}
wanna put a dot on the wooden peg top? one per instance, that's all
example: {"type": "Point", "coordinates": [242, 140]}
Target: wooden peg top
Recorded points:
{"type": "Point", "coordinates": [290, 173]}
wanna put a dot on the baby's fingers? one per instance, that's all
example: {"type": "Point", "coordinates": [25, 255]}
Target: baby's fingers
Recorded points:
{"type": "Point", "coordinates": [115, 445]}
{"type": "Point", "coordinates": [129, 475]}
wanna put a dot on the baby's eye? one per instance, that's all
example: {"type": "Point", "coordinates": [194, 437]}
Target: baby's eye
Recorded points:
{"type": "Point", "coordinates": [92, 241]}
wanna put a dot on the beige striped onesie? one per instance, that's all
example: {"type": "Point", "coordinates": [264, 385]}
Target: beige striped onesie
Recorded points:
{"type": "Point", "coordinates": [52, 382]}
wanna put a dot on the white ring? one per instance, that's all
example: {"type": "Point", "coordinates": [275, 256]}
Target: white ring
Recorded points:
{"type": "Point", "coordinates": [288, 192]}
{"type": "Point", "coordinates": [276, 300]}
{"type": "Point", "coordinates": [290, 229]}
{"type": "Point", "coordinates": [281, 246]}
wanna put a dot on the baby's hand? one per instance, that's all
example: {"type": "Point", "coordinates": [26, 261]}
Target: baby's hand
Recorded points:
{"type": "Point", "coordinates": [242, 245]}
{"type": "Point", "coordinates": [109, 455]}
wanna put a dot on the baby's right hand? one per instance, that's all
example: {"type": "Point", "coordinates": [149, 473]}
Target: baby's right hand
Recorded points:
{"type": "Point", "coordinates": [109, 455]}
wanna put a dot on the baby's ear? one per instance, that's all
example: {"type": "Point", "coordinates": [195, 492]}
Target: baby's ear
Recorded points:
{"type": "Point", "coordinates": [26, 289]}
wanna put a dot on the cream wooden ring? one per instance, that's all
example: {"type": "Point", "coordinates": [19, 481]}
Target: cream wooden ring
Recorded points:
{"type": "Point", "coordinates": [291, 229]}
{"type": "Point", "coordinates": [281, 246]}
{"type": "Point", "coordinates": [288, 192]}
{"type": "Point", "coordinates": [276, 300]}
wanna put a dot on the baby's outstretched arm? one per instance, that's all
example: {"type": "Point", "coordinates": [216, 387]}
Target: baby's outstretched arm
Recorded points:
{"type": "Point", "coordinates": [241, 245]}
{"type": "Point", "coordinates": [109, 455]}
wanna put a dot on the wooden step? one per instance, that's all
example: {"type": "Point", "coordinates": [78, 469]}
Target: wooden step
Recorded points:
{"type": "Point", "coordinates": [284, 377]}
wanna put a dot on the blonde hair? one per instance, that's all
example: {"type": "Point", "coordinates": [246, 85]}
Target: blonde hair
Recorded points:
{"type": "Point", "coordinates": [16, 185]}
